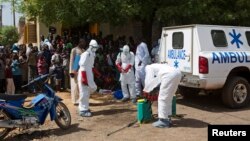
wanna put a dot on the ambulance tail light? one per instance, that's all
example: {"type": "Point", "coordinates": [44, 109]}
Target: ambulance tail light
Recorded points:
{"type": "Point", "coordinates": [203, 65]}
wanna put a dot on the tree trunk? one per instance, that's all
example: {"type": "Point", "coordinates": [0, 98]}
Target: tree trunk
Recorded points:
{"type": "Point", "coordinates": [147, 32]}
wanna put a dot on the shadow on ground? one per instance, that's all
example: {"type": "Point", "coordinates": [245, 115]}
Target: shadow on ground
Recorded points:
{"type": "Point", "coordinates": [188, 122]}
{"type": "Point", "coordinates": [112, 111]}
{"type": "Point", "coordinates": [116, 102]}
{"type": "Point", "coordinates": [211, 103]}
{"type": "Point", "coordinates": [39, 134]}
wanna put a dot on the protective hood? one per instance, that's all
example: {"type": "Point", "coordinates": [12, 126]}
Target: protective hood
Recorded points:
{"type": "Point", "coordinates": [93, 45]}
{"type": "Point", "coordinates": [46, 40]}
{"type": "Point", "coordinates": [125, 49]}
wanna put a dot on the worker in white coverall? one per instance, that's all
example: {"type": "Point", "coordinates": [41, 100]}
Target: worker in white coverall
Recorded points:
{"type": "Point", "coordinates": [142, 59]}
{"type": "Point", "coordinates": [86, 78]}
{"type": "Point", "coordinates": [73, 69]}
{"type": "Point", "coordinates": [168, 78]}
{"type": "Point", "coordinates": [125, 62]}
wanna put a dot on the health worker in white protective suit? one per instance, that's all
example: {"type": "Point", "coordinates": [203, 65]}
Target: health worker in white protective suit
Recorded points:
{"type": "Point", "coordinates": [168, 78]}
{"type": "Point", "coordinates": [125, 62]}
{"type": "Point", "coordinates": [86, 78]}
{"type": "Point", "coordinates": [142, 59]}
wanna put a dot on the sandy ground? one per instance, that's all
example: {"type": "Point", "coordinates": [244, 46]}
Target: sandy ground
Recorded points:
{"type": "Point", "coordinates": [109, 115]}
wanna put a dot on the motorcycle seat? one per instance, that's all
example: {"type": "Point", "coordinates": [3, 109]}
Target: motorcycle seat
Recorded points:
{"type": "Point", "coordinates": [12, 97]}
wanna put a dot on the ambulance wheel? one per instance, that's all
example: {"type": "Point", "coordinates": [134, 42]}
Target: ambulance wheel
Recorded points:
{"type": "Point", "coordinates": [187, 91]}
{"type": "Point", "coordinates": [236, 92]}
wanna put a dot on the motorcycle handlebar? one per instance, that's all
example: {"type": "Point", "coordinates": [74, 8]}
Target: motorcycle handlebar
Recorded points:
{"type": "Point", "coordinates": [38, 79]}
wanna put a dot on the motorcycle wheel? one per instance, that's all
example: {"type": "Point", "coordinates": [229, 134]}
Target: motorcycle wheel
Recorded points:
{"type": "Point", "coordinates": [4, 131]}
{"type": "Point", "coordinates": [63, 117]}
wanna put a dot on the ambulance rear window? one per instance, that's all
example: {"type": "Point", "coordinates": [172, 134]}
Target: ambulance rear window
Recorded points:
{"type": "Point", "coordinates": [248, 37]}
{"type": "Point", "coordinates": [219, 38]}
{"type": "Point", "coordinates": [178, 39]}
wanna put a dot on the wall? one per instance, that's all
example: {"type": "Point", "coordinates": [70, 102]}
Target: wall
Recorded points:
{"type": "Point", "coordinates": [132, 28]}
{"type": "Point", "coordinates": [129, 29]}
{"type": "Point", "coordinates": [42, 29]}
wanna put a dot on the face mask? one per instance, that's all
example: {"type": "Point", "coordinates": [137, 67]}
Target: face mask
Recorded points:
{"type": "Point", "coordinates": [94, 49]}
{"type": "Point", "coordinates": [125, 52]}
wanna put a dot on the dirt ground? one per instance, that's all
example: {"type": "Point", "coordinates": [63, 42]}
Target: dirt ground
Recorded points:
{"type": "Point", "coordinates": [109, 115]}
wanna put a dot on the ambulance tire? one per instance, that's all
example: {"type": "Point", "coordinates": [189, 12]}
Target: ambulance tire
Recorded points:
{"type": "Point", "coordinates": [234, 99]}
{"type": "Point", "coordinates": [188, 92]}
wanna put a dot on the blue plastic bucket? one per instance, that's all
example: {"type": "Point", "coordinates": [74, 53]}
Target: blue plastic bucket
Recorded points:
{"type": "Point", "coordinates": [118, 94]}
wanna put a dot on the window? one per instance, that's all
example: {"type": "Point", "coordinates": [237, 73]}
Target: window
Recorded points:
{"type": "Point", "coordinates": [178, 40]}
{"type": "Point", "coordinates": [219, 38]}
{"type": "Point", "coordinates": [248, 37]}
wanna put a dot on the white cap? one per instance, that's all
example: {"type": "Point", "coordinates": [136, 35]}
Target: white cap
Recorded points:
{"type": "Point", "coordinates": [15, 51]}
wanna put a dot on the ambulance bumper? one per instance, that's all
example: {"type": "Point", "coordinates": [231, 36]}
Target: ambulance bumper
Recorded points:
{"type": "Point", "coordinates": [202, 83]}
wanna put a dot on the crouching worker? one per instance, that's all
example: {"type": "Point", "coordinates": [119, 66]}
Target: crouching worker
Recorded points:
{"type": "Point", "coordinates": [86, 79]}
{"type": "Point", "coordinates": [168, 78]}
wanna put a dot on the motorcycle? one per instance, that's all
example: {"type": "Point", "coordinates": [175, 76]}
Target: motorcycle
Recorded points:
{"type": "Point", "coordinates": [13, 113]}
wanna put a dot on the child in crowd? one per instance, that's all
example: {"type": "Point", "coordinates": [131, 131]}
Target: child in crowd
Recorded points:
{"type": "Point", "coordinates": [41, 64]}
{"type": "Point", "coordinates": [57, 68]}
{"type": "Point", "coordinates": [9, 78]}
{"type": "Point", "coordinates": [2, 73]}
{"type": "Point", "coordinates": [16, 71]}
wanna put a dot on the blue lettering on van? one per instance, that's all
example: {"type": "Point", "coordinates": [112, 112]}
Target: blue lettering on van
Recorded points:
{"type": "Point", "coordinates": [247, 58]}
{"type": "Point", "coordinates": [236, 38]}
{"type": "Point", "coordinates": [230, 57]}
{"type": "Point", "coordinates": [233, 57]}
{"type": "Point", "coordinates": [176, 64]}
{"type": "Point", "coordinates": [176, 54]}
{"type": "Point", "coordinates": [241, 59]}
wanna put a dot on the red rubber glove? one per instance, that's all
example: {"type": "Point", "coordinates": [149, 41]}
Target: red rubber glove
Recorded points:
{"type": "Point", "coordinates": [145, 94]}
{"type": "Point", "coordinates": [96, 72]}
{"type": "Point", "coordinates": [127, 68]}
{"type": "Point", "coordinates": [119, 67]}
{"type": "Point", "coordinates": [84, 78]}
{"type": "Point", "coordinates": [150, 97]}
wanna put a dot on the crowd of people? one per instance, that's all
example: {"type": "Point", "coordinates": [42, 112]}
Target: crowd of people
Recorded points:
{"type": "Point", "coordinates": [22, 63]}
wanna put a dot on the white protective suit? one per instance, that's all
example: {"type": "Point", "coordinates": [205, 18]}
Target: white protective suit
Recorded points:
{"type": "Point", "coordinates": [75, 52]}
{"type": "Point", "coordinates": [86, 64]}
{"type": "Point", "coordinates": [168, 78]}
{"type": "Point", "coordinates": [46, 41]}
{"type": "Point", "coordinates": [142, 55]}
{"type": "Point", "coordinates": [155, 52]}
{"type": "Point", "coordinates": [127, 77]}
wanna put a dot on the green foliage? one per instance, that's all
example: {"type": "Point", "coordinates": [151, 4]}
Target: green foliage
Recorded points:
{"type": "Point", "coordinates": [78, 12]}
{"type": "Point", "coordinates": [8, 35]}
{"type": "Point", "coordinates": [223, 12]}
{"type": "Point", "coordinates": [168, 12]}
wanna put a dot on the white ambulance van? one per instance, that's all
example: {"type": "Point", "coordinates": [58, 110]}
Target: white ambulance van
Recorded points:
{"type": "Point", "coordinates": [211, 57]}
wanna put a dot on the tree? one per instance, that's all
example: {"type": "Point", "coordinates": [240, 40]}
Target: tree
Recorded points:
{"type": "Point", "coordinates": [77, 12]}
{"type": "Point", "coordinates": [8, 35]}
{"type": "Point", "coordinates": [223, 12]}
